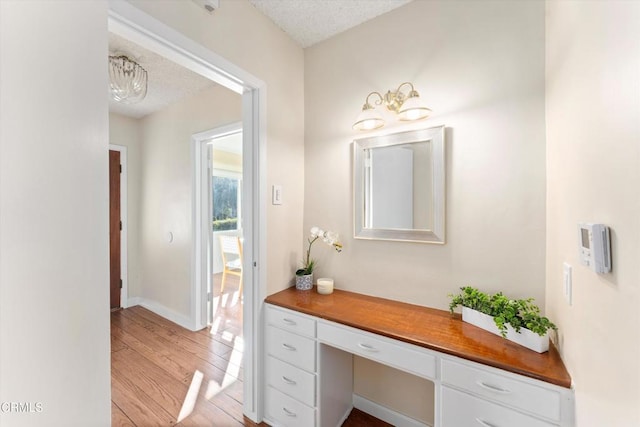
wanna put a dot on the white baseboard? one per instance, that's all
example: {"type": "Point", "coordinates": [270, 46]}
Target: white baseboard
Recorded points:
{"type": "Point", "coordinates": [162, 311]}
{"type": "Point", "coordinates": [344, 417]}
{"type": "Point", "coordinates": [132, 301]}
{"type": "Point", "coordinates": [384, 413]}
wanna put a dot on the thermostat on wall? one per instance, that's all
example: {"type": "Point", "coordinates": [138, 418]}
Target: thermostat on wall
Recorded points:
{"type": "Point", "coordinates": [595, 247]}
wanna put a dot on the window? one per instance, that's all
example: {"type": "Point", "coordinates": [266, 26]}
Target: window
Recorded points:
{"type": "Point", "coordinates": [226, 203]}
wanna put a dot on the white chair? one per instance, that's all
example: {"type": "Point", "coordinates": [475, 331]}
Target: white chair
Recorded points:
{"type": "Point", "coordinates": [231, 245]}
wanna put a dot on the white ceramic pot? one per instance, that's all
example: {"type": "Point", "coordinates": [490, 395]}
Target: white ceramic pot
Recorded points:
{"type": "Point", "coordinates": [525, 337]}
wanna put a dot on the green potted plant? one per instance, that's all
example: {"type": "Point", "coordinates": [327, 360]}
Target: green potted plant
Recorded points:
{"type": "Point", "coordinates": [304, 275]}
{"type": "Point", "coordinates": [516, 320]}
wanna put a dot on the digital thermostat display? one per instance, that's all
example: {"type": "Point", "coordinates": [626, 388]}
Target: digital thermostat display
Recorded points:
{"type": "Point", "coordinates": [585, 238]}
{"type": "Point", "coordinates": [595, 247]}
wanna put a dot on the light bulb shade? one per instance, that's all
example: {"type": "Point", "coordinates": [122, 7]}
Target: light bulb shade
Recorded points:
{"type": "Point", "coordinates": [127, 80]}
{"type": "Point", "coordinates": [368, 119]}
{"type": "Point", "coordinates": [413, 109]}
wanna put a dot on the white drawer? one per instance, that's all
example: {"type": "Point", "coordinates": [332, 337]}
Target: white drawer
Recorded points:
{"type": "Point", "coordinates": [294, 349]}
{"type": "Point", "coordinates": [393, 353]}
{"type": "Point", "coordinates": [291, 321]}
{"type": "Point", "coordinates": [285, 411]}
{"type": "Point", "coordinates": [463, 410]}
{"type": "Point", "coordinates": [293, 381]}
{"type": "Point", "coordinates": [503, 388]}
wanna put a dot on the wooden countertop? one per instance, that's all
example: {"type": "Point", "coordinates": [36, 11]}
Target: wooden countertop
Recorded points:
{"type": "Point", "coordinates": [426, 327]}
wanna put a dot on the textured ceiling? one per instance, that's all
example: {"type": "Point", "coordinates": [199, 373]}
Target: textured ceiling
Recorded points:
{"type": "Point", "coordinates": [311, 21]}
{"type": "Point", "coordinates": [306, 21]}
{"type": "Point", "coordinates": [168, 82]}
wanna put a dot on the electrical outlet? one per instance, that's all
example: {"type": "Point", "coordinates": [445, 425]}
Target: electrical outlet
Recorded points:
{"type": "Point", "coordinates": [566, 282]}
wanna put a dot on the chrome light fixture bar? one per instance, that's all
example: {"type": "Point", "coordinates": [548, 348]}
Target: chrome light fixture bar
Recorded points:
{"type": "Point", "coordinates": [407, 106]}
{"type": "Point", "coordinates": [127, 80]}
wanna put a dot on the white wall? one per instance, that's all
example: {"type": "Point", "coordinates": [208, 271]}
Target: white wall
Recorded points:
{"type": "Point", "coordinates": [165, 199]}
{"type": "Point", "coordinates": [243, 35]}
{"type": "Point", "coordinates": [126, 131]}
{"type": "Point", "coordinates": [480, 66]}
{"type": "Point", "coordinates": [54, 335]}
{"type": "Point", "coordinates": [54, 249]}
{"type": "Point", "coordinates": [593, 171]}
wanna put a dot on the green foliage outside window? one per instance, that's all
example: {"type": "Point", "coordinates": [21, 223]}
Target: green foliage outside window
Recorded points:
{"type": "Point", "coordinates": [225, 224]}
{"type": "Point", "coordinates": [225, 203]}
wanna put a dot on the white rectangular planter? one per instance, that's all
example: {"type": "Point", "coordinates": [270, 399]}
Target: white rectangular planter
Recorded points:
{"type": "Point", "coordinates": [525, 337]}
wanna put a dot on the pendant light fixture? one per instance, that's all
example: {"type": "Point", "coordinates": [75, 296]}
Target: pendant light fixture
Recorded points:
{"type": "Point", "coordinates": [127, 80]}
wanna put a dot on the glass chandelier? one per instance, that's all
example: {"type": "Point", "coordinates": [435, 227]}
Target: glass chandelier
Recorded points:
{"type": "Point", "coordinates": [127, 80]}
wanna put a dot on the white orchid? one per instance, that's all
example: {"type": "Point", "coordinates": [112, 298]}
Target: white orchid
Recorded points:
{"type": "Point", "coordinates": [329, 237]}
{"type": "Point", "coordinates": [333, 239]}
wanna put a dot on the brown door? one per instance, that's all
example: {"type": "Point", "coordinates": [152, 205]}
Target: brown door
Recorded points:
{"type": "Point", "coordinates": [115, 226]}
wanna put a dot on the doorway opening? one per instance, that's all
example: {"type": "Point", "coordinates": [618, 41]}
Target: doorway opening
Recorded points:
{"type": "Point", "coordinates": [222, 208]}
{"type": "Point", "coordinates": [118, 280]}
{"type": "Point", "coordinates": [225, 154]}
{"type": "Point", "coordinates": [129, 22]}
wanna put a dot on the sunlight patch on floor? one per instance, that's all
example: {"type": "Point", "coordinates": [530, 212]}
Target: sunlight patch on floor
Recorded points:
{"type": "Point", "coordinates": [227, 336]}
{"type": "Point", "coordinates": [233, 370]}
{"type": "Point", "coordinates": [216, 305]}
{"type": "Point", "coordinates": [215, 326]}
{"type": "Point", "coordinates": [223, 300]}
{"type": "Point", "coordinates": [191, 397]}
{"type": "Point", "coordinates": [235, 299]}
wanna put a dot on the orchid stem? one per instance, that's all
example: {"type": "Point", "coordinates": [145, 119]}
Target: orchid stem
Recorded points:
{"type": "Point", "coordinates": [309, 250]}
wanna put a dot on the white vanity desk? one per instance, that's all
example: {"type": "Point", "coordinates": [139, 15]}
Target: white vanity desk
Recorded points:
{"type": "Point", "coordinates": [481, 380]}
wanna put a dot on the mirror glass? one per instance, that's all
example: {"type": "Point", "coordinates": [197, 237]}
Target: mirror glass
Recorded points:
{"type": "Point", "coordinates": [399, 186]}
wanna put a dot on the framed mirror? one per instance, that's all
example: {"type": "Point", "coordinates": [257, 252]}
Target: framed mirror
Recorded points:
{"type": "Point", "coordinates": [399, 186]}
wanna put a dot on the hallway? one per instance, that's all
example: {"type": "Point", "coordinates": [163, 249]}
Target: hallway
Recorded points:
{"type": "Point", "coordinates": [165, 375]}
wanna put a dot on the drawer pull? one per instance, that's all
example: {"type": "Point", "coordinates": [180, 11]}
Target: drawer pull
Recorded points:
{"type": "Point", "coordinates": [288, 380]}
{"type": "Point", "coordinates": [289, 347]}
{"type": "Point", "coordinates": [493, 388]}
{"type": "Point", "coordinates": [291, 414]}
{"type": "Point", "coordinates": [289, 321]}
{"type": "Point", "coordinates": [367, 347]}
{"type": "Point", "coordinates": [483, 423]}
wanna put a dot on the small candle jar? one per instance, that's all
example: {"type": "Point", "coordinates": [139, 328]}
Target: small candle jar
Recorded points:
{"type": "Point", "coordinates": [325, 286]}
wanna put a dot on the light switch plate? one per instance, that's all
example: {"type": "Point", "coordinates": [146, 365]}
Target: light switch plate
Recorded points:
{"type": "Point", "coordinates": [567, 284]}
{"type": "Point", "coordinates": [276, 195]}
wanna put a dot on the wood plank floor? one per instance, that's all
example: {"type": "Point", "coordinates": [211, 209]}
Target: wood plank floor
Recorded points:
{"type": "Point", "coordinates": [165, 375]}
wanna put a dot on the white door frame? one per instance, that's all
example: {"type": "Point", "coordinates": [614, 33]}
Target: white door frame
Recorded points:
{"type": "Point", "coordinates": [124, 294]}
{"type": "Point", "coordinates": [133, 24]}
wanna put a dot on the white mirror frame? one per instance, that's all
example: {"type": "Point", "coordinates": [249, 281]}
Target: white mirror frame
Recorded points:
{"type": "Point", "coordinates": [435, 135]}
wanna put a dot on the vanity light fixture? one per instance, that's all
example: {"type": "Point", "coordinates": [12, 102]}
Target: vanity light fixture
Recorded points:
{"type": "Point", "coordinates": [407, 106]}
{"type": "Point", "coordinates": [127, 80]}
